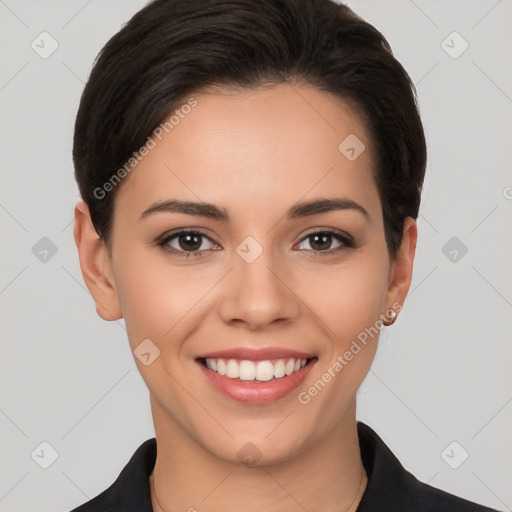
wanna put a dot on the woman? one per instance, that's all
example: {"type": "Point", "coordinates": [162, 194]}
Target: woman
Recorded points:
{"type": "Point", "coordinates": [251, 176]}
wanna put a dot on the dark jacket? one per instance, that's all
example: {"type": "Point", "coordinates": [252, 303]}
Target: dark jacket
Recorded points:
{"type": "Point", "coordinates": [390, 487]}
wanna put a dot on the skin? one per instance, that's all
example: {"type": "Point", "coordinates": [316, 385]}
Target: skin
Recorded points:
{"type": "Point", "coordinates": [255, 153]}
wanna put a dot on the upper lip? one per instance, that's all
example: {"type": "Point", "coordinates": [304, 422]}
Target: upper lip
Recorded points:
{"type": "Point", "coordinates": [256, 354]}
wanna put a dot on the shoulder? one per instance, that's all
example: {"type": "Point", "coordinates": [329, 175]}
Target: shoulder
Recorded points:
{"type": "Point", "coordinates": [433, 500]}
{"type": "Point", "coordinates": [130, 491]}
{"type": "Point", "coordinates": [392, 488]}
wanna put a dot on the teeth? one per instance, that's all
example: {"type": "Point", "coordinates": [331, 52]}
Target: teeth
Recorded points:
{"type": "Point", "coordinates": [279, 369]}
{"type": "Point", "coordinates": [255, 370]}
{"type": "Point", "coordinates": [265, 370]}
{"type": "Point", "coordinates": [232, 369]}
{"type": "Point", "coordinates": [221, 366]}
{"type": "Point", "coordinates": [247, 370]}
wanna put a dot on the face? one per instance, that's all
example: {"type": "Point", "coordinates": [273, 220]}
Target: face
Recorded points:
{"type": "Point", "coordinates": [255, 277]}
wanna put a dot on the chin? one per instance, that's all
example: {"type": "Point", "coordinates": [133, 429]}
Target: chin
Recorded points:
{"type": "Point", "coordinates": [258, 450]}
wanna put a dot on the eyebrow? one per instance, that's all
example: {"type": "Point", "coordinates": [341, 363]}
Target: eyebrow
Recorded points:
{"type": "Point", "coordinates": [211, 211]}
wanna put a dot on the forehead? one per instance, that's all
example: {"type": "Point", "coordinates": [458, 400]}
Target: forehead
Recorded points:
{"type": "Point", "coordinates": [258, 149]}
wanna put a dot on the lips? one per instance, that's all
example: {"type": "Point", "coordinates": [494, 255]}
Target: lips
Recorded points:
{"type": "Point", "coordinates": [247, 388]}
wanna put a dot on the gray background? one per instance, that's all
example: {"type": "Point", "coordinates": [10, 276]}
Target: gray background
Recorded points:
{"type": "Point", "coordinates": [68, 378]}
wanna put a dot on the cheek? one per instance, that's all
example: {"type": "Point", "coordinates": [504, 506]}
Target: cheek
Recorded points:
{"type": "Point", "coordinates": [351, 306]}
{"type": "Point", "coordinates": [353, 297]}
{"type": "Point", "coordinates": [156, 297]}
{"type": "Point", "coordinates": [146, 295]}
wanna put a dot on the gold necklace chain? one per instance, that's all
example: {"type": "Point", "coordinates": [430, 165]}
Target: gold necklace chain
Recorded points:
{"type": "Point", "coordinates": [354, 503]}
{"type": "Point", "coordinates": [364, 479]}
{"type": "Point", "coordinates": [154, 491]}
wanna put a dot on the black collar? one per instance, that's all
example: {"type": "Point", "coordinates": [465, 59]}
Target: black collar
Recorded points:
{"type": "Point", "coordinates": [390, 487]}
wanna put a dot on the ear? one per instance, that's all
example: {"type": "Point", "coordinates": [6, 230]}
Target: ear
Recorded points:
{"type": "Point", "coordinates": [400, 275]}
{"type": "Point", "coordinates": [95, 265]}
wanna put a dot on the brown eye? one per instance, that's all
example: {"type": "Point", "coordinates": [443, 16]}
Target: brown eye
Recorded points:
{"type": "Point", "coordinates": [186, 243]}
{"type": "Point", "coordinates": [321, 241]}
{"type": "Point", "coordinates": [189, 241]}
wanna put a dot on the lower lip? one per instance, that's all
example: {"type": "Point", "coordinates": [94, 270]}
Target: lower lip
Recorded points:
{"type": "Point", "coordinates": [256, 392]}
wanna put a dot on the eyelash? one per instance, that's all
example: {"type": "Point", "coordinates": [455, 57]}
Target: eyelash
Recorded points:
{"type": "Point", "coordinates": [347, 243]}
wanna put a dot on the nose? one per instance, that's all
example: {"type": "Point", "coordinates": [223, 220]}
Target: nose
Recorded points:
{"type": "Point", "coordinates": [259, 293]}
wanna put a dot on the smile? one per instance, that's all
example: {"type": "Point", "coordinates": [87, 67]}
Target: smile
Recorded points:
{"type": "Point", "coordinates": [262, 371]}
{"type": "Point", "coordinates": [256, 381]}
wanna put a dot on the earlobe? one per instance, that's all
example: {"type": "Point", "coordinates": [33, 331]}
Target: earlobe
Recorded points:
{"type": "Point", "coordinates": [402, 267]}
{"type": "Point", "coordinates": [95, 265]}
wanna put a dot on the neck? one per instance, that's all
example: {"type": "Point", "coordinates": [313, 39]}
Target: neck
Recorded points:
{"type": "Point", "coordinates": [327, 477]}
